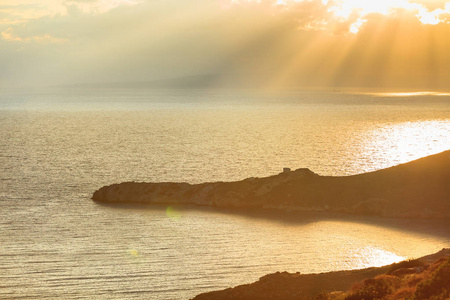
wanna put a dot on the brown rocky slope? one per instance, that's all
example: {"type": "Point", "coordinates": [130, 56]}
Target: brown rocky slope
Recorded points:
{"type": "Point", "coordinates": [418, 189]}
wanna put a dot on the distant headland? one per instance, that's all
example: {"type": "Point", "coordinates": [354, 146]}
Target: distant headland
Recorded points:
{"type": "Point", "coordinates": [417, 189]}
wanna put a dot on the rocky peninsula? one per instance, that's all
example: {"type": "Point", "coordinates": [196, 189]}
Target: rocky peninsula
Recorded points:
{"type": "Point", "coordinates": [417, 189]}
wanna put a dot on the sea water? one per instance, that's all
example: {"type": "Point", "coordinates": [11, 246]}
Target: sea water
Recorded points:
{"type": "Point", "coordinates": [59, 146]}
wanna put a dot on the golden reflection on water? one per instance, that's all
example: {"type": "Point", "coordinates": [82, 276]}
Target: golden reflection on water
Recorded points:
{"type": "Point", "coordinates": [357, 245]}
{"type": "Point", "coordinates": [370, 256]}
{"type": "Point", "coordinates": [407, 141]}
{"type": "Point", "coordinates": [409, 94]}
{"type": "Point", "coordinates": [52, 158]}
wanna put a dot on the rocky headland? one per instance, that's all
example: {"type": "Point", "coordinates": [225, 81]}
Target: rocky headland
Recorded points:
{"type": "Point", "coordinates": [417, 189]}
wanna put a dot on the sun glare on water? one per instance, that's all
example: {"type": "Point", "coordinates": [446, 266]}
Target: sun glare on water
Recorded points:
{"type": "Point", "coordinates": [408, 94]}
{"type": "Point", "coordinates": [376, 257]}
{"type": "Point", "coordinates": [407, 141]}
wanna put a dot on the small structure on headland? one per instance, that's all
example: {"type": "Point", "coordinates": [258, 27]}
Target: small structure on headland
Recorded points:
{"type": "Point", "coordinates": [286, 170]}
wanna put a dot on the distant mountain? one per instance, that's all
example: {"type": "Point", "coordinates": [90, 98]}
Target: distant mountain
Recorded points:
{"type": "Point", "coordinates": [188, 82]}
{"type": "Point", "coordinates": [418, 189]}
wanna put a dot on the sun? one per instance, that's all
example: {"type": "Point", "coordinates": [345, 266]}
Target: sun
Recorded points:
{"type": "Point", "coordinates": [345, 9]}
{"type": "Point", "coordinates": [357, 11]}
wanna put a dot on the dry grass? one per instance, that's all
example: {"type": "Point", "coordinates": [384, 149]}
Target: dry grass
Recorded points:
{"type": "Point", "coordinates": [428, 282]}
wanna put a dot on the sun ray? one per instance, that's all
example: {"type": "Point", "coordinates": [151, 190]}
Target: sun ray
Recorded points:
{"type": "Point", "coordinates": [289, 71]}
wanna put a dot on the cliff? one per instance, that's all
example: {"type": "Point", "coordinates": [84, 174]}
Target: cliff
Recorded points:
{"type": "Point", "coordinates": [418, 189]}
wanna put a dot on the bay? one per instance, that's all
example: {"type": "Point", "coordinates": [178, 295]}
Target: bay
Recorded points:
{"type": "Point", "coordinates": [59, 146]}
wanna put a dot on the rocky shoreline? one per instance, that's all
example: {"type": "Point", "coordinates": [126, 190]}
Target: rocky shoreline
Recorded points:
{"type": "Point", "coordinates": [418, 189]}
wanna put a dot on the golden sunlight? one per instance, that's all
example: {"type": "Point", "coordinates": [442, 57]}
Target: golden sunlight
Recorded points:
{"type": "Point", "coordinates": [405, 141]}
{"type": "Point", "coordinates": [373, 256]}
{"type": "Point", "coordinates": [356, 11]}
{"type": "Point", "coordinates": [408, 94]}
{"type": "Point", "coordinates": [345, 9]}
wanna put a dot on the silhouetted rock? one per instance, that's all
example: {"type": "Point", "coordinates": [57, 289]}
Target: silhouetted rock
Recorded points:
{"type": "Point", "coordinates": [418, 189]}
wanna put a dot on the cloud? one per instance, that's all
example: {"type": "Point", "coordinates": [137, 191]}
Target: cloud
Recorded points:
{"type": "Point", "coordinates": [354, 13]}
{"type": "Point", "coordinates": [434, 17]}
{"type": "Point", "coordinates": [24, 11]}
{"type": "Point", "coordinates": [99, 6]}
{"type": "Point", "coordinates": [10, 36]}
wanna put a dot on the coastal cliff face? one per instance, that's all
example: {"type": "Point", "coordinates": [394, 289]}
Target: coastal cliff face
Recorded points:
{"type": "Point", "coordinates": [418, 189]}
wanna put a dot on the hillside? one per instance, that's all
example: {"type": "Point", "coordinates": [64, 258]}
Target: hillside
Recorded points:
{"type": "Point", "coordinates": [424, 278]}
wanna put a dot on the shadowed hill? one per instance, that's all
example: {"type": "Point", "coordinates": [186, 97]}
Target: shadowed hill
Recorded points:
{"type": "Point", "coordinates": [418, 189]}
{"type": "Point", "coordinates": [188, 82]}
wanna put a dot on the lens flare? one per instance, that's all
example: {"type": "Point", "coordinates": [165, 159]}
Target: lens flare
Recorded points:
{"type": "Point", "coordinates": [173, 213]}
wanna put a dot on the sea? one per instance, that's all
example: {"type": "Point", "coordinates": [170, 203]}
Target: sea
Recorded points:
{"type": "Point", "coordinates": [57, 146]}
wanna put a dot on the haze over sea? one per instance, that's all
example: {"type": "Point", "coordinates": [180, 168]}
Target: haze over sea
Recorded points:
{"type": "Point", "coordinates": [59, 146]}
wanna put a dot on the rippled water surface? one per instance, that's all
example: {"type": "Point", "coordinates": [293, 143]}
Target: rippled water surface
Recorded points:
{"type": "Point", "coordinates": [58, 147]}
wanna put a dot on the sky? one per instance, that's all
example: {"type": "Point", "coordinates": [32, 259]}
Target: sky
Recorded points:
{"type": "Point", "coordinates": [243, 43]}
